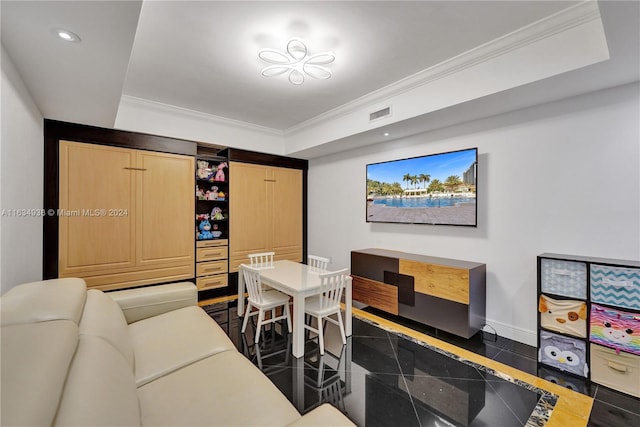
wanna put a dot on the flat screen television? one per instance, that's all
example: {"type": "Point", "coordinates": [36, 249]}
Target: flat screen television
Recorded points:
{"type": "Point", "coordinates": [438, 189]}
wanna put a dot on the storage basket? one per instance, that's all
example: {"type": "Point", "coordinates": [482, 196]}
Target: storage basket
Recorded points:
{"type": "Point", "coordinates": [566, 316]}
{"type": "Point", "coordinates": [564, 353]}
{"type": "Point", "coordinates": [566, 278]}
{"type": "Point", "coordinates": [618, 371]}
{"type": "Point", "coordinates": [613, 328]}
{"type": "Point", "coordinates": [615, 286]}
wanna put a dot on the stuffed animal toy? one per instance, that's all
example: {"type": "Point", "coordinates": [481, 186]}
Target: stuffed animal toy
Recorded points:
{"type": "Point", "coordinates": [216, 214]}
{"type": "Point", "coordinates": [204, 171]}
{"type": "Point", "coordinates": [220, 172]}
{"type": "Point", "coordinates": [213, 194]}
{"type": "Point", "coordinates": [205, 230]}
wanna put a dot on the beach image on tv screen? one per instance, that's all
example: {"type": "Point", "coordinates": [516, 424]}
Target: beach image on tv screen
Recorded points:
{"type": "Point", "coordinates": [433, 189]}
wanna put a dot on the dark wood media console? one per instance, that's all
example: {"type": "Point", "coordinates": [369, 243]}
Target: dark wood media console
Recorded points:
{"type": "Point", "coordinates": [447, 294]}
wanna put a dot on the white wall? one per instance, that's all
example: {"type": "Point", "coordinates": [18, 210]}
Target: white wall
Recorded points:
{"type": "Point", "coordinates": [21, 183]}
{"type": "Point", "coordinates": [561, 177]}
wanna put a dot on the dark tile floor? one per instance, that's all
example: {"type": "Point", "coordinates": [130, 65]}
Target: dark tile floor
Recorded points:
{"type": "Point", "coordinates": [382, 379]}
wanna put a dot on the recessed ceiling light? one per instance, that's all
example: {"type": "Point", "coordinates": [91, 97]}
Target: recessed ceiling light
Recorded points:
{"type": "Point", "coordinates": [296, 62]}
{"type": "Point", "coordinates": [66, 35]}
{"type": "Point", "coordinates": [386, 134]}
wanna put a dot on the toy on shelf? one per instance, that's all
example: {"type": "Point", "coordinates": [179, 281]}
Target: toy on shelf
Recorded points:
{"type": "Point", "coordinates": [204, 171]}
{"type": "Point", "coordinates": [205, 230]}
{"type": "Point", "coordinates": [216, 214]}
{"type": "Point", "coordinates": [221, 195]}
{"type": "Point", "coordinates": [199, 193]}
{"type": "Point", "coordinates": [211, 194]}
{"type": "Point", "coordinates": [220, 176]}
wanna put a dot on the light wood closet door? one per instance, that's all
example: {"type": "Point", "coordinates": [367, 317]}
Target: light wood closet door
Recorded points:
{"type": "Point", "coordinates": [126, 216]}
{"type": "Point", "coordinates": [265, 212]}
{"type": "Point", "coordinates": [165, 208]}
{"type": "Point", "coordinates": [93, 180]}
{"type": "Point", "coordinates": [249, 212]}
{"type": "Point", "coordinates": [287, 213]}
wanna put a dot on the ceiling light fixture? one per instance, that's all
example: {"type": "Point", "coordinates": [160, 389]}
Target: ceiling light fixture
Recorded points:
{"type": "Point", "coordinates": [386, 134]}
{"type": "Point", "coordinates": [296, 61]}
{"type": "Point", "coordinates": [66, 35]}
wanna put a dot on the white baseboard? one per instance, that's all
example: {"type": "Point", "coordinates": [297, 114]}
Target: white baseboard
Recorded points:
{"type": "Point", "coordinates": [513, 333]}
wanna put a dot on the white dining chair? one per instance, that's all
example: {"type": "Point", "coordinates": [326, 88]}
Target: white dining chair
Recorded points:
{"type": "Point", "coordinates": [263, 300]}
{"type": "Point", "coordinates": [261, 259]}
{"type": "Point", "coordinates": [326, 304]}
{"type": "Point", "coordinates": [318, 262]}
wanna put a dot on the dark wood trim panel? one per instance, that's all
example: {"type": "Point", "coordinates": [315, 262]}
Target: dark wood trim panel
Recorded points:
{"type": "Point", "coordinates": [54, 131]}
{"type": "Point", "coordinates": [244, 156]}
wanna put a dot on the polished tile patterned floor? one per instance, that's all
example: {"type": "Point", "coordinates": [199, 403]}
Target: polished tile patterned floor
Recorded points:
{"type": "Point", "coordinates": [382, 378]}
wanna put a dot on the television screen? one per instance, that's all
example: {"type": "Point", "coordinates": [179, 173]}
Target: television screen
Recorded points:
{"type": "Point", "coordinates": [433, 189]}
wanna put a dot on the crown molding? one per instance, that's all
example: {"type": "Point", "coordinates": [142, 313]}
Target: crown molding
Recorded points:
{"type": "Point", "coordinates": [549, 26]}
{"type": "Point", "coordinates": [196, 115]}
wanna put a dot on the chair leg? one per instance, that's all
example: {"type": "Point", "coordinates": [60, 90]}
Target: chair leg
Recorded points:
{"type": "Point", "coordinates": [287, 312]}
{"type": "Point", "coordinates": [320, 336]}
{"type": "Point", "coordinates": [247, 314]}
{"type": "Point", "coordinates": [341, 325]}
{"type": "Point", "coordinates": [259, 326]}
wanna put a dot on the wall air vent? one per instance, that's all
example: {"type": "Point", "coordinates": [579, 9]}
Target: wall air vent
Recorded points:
{"type": "Point", "coordinates": [380, 114]}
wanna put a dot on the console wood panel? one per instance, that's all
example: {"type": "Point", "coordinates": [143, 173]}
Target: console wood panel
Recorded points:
{"type": "Point", "coordinates": [441, 281]}
{"type": "Point", "coordinates": [375, 294]}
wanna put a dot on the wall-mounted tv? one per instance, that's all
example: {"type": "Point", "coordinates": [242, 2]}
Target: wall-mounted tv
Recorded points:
{"type": "Point", "coordinates": [437, 189]}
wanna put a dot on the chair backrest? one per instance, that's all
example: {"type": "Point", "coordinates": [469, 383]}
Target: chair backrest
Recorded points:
{"type": "Point", "coordinates": [333, 284]}
{"type": "Point", "coordinates": [252, 282]}
{"type": "Point", "coordinates": [261, 260]}
{"type": "Point", "coordinates": [318, 262]}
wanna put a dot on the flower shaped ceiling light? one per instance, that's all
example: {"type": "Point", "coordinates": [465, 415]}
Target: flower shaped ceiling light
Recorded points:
{"type": "Point", "coordinates": [297, 62]}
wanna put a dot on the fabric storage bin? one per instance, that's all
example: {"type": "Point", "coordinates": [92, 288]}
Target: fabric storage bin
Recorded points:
{"type": "Point", "coordinates": [564, 353]}
{"type": "Point", "coordinates": [613, 328]}
{"type": "Point", "coordinates": [566, 278]}
{"type": "Point", "coordinates": [616, 286]}
{"type": "Point", "coordinates": [566, 316]}
{"type": "Point", "coordinates": [564, 380]}
{"type": "Point", "coordinates": [618, 371]}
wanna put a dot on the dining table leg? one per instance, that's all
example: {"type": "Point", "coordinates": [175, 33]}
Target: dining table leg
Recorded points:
{"type": "Point", "coordinates": [298, 325]}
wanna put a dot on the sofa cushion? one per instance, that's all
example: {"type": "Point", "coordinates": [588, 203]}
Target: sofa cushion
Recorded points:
{"type": "Point", "coordinates": [103, 318]}
{"type": "Point", "coordinates": [35, 360]}
{"type": "Point", "coordinates": [59, 299]}
{"type": "Point", "coordinates": [165, 343]}
{"type": "Point", "coordinates": [100, 388]}
{"type": "Point", "coordinates": [225, 390]}
{"type": "Point", "coordinates": [142, 303]}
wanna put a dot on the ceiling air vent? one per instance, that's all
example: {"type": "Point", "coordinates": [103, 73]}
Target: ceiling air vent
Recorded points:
{"type": "Point", "coordinates": [380, 113]}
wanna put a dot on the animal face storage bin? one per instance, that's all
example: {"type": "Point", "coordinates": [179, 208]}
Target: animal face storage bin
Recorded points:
{"type": "Point", "coordinates": [566, 278]}
{"type": "Point", "coordinates": [564, 353]}
{"type": "Point", "coordinates": [613, 328]}
{"type": "Point", "coordinates": [566, 316]}
{"type": "Point", "coordinates": [615, 286]}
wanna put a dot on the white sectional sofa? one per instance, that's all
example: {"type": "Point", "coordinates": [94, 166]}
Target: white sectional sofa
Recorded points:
{"type": "Point", "coordinates": [140, 357]}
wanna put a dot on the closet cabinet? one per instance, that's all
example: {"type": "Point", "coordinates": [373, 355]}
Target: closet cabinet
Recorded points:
{"type": "Point", "coordinates": [266, 212]}
{"type": "Point", "coordinates": [125, 216]}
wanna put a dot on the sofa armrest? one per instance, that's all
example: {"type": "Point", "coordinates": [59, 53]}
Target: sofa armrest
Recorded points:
{"type": "Point", "coordinates": [141, 303]}
{"type": "Point", "coordinates": [322, 416]}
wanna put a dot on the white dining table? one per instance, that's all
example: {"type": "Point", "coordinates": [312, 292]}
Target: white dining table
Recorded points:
{"type": "Point", "coordinates": [300, 281]}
